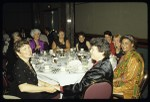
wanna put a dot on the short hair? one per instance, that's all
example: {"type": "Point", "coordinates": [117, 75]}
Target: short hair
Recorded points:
{"type": "Point", "coordinates": [131, 38]}
{"type": "Point", "coordinates": [102, 45]}
{"type": "Point", "coordinates": [108, 33]}
{"type": "Point", "coordinates": [19, 44]}
{"type": "Point", "coordinates": [33, 32]}
{"type": "Point", "coordinates": [117, 35]}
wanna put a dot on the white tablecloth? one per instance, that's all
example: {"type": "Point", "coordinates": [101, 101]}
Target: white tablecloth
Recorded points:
{"type": "Point", "coordinates": [63, 78]}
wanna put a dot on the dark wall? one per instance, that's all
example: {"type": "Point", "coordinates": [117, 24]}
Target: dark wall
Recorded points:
{"type": "Point", "coordinates": [59, 15]}
{"type": "Point", "coordinates": [17, 15]}
{"type": "Point", "coordinates": [31, 15]}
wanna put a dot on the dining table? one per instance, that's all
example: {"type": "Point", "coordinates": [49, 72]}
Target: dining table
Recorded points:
{"type": "Point", "coordinates": [64, 69]}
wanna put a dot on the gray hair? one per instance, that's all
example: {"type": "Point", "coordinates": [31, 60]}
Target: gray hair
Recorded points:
{"type": "Point", "coordinates": [33, 32]}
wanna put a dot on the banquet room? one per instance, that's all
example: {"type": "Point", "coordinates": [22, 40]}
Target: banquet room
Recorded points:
{"type": "Point", "coordinates": [53, 29]}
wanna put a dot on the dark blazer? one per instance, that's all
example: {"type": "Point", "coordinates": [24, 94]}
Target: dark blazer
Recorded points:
{"type": "Point", "coordinates": [102, 70]}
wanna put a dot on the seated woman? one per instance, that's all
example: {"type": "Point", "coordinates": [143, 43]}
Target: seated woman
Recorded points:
{"type": "Point", "coordinates": [26, 85]}
{"type": "Point", "coordinates": [36, 44]}
{"type": "Point", "coordinates": [117, 44]}
{"type": "Point", "coordinates": [129, 71]}
{"type": "Point", "coordinates": [11, 56]}
{"type": "Point", "coordinates": [101, 70]}
{"type": "Point", "coordinates": [61, 42]}
{"type": "Point", "coordinates": [83, 43]}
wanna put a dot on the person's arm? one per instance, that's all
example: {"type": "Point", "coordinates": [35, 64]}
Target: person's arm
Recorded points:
{"type": "Point", "coordinates": [88, 45]}
{"type": "Point", "coordinates": [67, 45]}
{"type": "Point", "coordinates": [77, 46]}
{"type": "Point", "coordinates": [21, 80]}
{"type": "Point", "coordinates": [25, 87]}
{"type": "Point", "coordinates": [117, 79]}
{"type": "Point", "coordinates": [54, 47]}
{"type": "Point", "coordinates": [130, 75]}
{"type": "Point", "coordinates": [87, 80]}
{"type": "Point", "coordinates": [42, 83]}
{"type": "Point", "coordinates": [133, 70]}
{"type": "Point", "coordinates": [37, 46]}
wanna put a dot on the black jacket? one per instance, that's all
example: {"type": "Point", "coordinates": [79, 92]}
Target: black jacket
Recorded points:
{"type": "Point", "coordinates": [102, 70]}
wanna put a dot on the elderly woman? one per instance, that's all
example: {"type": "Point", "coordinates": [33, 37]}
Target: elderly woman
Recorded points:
{"type": "Point", "coordinates": [36, 44]}
{"type": "Point", "coordinates": [26, 85]}
{"type": "Point", "coordinates": [129, 71]}
{"type": "Point", "coordinates": [83, 43]}
{"type": "Point", "coordinates": [61, 42]}
{"type": "Point", "coordinates": [101, 70]}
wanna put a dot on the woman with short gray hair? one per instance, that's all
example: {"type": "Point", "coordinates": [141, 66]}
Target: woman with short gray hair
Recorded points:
{"type": "Point", "coordinates": [36, 44]}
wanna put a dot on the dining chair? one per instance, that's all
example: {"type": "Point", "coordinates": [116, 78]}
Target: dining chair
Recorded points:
{"type": "Point", "coordinates": [101, 90]}
{"type": "Point", "coordinates": [143, 84]}
{"type": "Point", "coordinates": [57, 97]}
{"type": "Point", "coordinates": [5, 79]}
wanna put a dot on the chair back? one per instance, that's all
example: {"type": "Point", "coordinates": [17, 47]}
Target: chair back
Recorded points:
{"type": "Point", "coordinates": [143, 83]}
{"type": "Point", "coordinates": [101, 90]}
{"type": "Point", "coordinates": [5, 79]}
{"type": "Point", "coordinates": [5, 62]}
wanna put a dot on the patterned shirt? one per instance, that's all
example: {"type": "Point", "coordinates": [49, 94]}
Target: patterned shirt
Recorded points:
{"type": "Point", "coordinates": [130, 69]}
